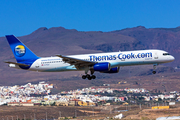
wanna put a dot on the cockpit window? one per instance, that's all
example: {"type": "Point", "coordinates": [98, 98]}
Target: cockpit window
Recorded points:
{"type": "Point", "coordinates": [166, 54]}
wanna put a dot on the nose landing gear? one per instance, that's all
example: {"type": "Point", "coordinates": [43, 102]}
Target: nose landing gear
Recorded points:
{"type": "Point", "coordinates": [154, 68]}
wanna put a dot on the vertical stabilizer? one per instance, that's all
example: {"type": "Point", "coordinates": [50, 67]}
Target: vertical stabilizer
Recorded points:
{"type": "Point", "coordinates": [20, 51]}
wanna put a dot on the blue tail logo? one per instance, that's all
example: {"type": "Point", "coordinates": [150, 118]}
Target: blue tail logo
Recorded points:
{"type": "Point", "coordinates": [20, 50]}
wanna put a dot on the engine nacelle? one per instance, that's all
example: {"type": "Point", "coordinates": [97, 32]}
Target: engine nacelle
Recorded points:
{"type": "Point", "coordinates": [102, 66]}
{"type": "Point", "coordinates": [112, 70]}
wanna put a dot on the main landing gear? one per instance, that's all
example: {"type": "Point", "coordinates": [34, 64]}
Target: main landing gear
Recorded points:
{"type": "Point", "coordinates": [154, 68]}
{"type": "Point", "coordinates": [89, 77]}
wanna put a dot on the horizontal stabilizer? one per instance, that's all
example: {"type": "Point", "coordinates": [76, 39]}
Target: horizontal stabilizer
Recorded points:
{"type": "Point", "coordinates": [17, 63]}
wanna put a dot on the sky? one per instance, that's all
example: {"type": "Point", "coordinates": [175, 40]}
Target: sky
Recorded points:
{"type": "Point", "coordinates": [22, 17]}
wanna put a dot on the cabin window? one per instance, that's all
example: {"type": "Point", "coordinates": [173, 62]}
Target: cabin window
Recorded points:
{"type": "Point", "coordinates": [166, 54]}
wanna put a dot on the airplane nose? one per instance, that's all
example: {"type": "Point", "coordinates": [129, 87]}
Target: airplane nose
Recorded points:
{"type": "Point", "coordinates": [172, 58]}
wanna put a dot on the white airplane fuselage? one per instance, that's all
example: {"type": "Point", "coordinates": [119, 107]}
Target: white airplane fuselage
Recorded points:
{"type": "Point", "coordinates": [127, 58]}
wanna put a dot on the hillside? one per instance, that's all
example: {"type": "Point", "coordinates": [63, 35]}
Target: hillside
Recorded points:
{"type": "Point", "coordinates": [58, 40]}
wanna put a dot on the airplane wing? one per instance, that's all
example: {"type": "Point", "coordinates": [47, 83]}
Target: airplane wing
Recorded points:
{"type": "Point", "coordinates": [17, 63]}
{"type": "Point", "coordinates": [77, 62]}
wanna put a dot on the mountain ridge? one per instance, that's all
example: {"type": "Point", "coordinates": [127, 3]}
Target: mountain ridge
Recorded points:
{"type": "Point", "coordinates": [59, 40]}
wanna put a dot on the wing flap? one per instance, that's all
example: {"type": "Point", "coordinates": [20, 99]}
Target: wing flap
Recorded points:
{"type": "Point", "coordinates": [75, 61]}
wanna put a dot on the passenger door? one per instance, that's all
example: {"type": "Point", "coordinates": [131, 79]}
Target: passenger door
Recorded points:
{"type": "Point", "coordinates": [155, 55]}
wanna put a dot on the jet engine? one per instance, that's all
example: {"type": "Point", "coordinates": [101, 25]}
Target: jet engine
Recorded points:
{"type": "Point", "coordinates": [102, 66]}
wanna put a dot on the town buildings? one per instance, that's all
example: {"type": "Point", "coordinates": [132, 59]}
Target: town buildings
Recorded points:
{"type": "Point", "coordinates": [24, 95]}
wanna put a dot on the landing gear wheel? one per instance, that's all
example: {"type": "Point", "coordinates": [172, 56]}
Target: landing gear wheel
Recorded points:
{"type": "Point", "coordinates": [84, 77]}
{"type": "Point", "coordinates": [89, 78]}
{"type": "Point", "coordinates": [154, 72]}
{"type": "Point", "coordinates": [93, 77]}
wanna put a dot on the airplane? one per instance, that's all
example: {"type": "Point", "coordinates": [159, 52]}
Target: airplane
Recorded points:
{"type": "Point", "coordinates": [109, 62]}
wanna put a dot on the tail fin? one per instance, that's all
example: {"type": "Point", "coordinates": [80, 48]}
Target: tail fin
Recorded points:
{"type": "Point", "coordinates": [20, 51]}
